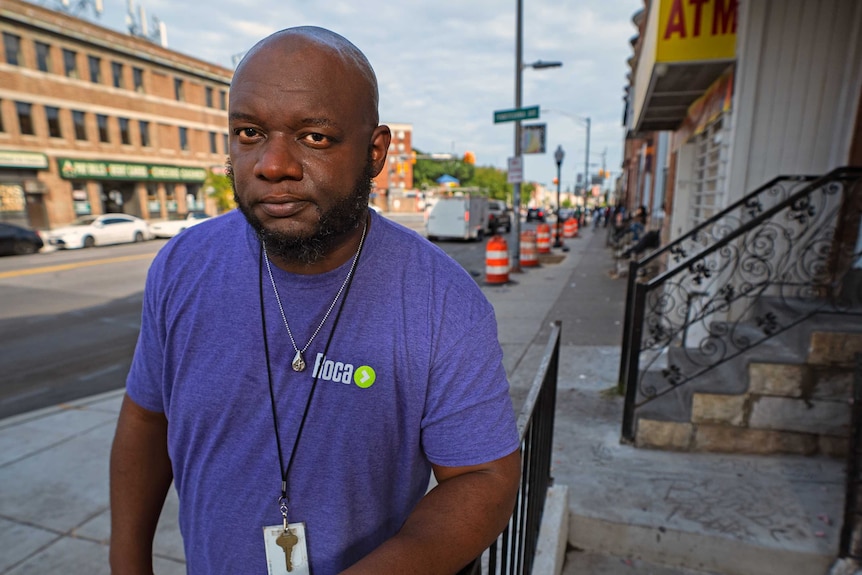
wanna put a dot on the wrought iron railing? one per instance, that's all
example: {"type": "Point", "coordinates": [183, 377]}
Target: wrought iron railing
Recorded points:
{"type": "Point", "coordinates": [515, 548]}
{"type": "Point", "coordinates": [760, 267]}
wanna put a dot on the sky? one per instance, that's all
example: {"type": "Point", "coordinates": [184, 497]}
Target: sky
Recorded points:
{"type": "Point", "coordinates": [445, 66]}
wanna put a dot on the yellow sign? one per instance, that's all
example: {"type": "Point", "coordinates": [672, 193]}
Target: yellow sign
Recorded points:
{"type": "Point", "coordinates": [697, 30]}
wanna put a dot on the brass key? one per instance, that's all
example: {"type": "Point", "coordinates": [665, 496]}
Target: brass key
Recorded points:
{"type": "Point", "coordinates": [286, 541]}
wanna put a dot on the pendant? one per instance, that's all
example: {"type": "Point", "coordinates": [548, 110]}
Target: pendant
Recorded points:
{"type": "Point", "coordinates": [298, 362]}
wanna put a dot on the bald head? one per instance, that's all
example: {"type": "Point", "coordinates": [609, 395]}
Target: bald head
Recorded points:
{"type": "Point", "coordinates": [341, 51]}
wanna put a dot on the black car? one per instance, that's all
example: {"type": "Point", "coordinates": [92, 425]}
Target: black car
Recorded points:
{"type": "Point", "coordinates": [537, 214]}
{"type": "Point", "coordinates": [18, 240]}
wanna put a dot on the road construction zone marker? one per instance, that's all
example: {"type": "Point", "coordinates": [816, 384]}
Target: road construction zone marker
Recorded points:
{"type": "Point", "coordinates": [497, 260]}
{"type": "Point", "coordinates": [529, 255]}
{"type": "Point", "coordinates": [543, 238]}
{"type": "Point", "coordinates": [570, 228]}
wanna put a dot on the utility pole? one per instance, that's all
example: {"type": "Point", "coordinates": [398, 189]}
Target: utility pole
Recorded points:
{"type": "Point", "coordinates": [516, 187]}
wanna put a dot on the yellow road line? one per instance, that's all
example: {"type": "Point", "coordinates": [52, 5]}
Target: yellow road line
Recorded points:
{"type": "Point", "coordinates": [64, 267]}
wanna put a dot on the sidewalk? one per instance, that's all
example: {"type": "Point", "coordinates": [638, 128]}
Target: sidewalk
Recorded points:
{"type": "Point", "coordinates": [629, 509]}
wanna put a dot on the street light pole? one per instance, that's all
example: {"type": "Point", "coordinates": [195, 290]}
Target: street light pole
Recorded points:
{"type": "Point", "coordinates": [586, 173]}
{"type": "Point", "coordinates": [558, 157]}
{"type": "Point", "coordinates": [516, 191]}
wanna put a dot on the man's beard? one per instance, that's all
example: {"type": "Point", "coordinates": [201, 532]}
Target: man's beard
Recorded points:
{"type": "Point", "coordinates": [336, 222]}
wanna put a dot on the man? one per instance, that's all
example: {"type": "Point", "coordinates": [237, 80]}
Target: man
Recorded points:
{"type": "Point", "coordinates": [311, 362]}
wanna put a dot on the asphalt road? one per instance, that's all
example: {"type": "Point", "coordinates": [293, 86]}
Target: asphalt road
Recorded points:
{"type": "Point", "coordinates": [69, 320]}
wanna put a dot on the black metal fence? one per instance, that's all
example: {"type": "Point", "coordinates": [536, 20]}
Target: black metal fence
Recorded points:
{"type": "Point", "coordinates": [760, 267]}
{"type": "Point", "coordinates": [514, 549]}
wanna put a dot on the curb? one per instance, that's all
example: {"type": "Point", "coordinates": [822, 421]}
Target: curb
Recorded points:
{"type": "Point", "coordinates": [553, 532]}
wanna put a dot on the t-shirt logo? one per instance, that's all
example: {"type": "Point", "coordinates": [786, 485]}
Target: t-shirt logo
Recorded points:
{"type": "Point", "coordinates": [341, 372]}
{"type": "Point", "coordinates": [364, 376]}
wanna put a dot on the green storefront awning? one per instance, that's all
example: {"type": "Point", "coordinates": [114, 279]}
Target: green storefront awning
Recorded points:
{"type": "Point", "coordinates": [107, 170]}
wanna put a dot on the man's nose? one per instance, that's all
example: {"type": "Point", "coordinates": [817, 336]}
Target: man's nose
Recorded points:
{"type": "Point", "coordinates": [278, 160]}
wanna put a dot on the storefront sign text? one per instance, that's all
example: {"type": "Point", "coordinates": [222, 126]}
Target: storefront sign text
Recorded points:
{"type": "Point", "coordinates": [86, 169]}
{"type": "Point", "coordinates": [696, 30]}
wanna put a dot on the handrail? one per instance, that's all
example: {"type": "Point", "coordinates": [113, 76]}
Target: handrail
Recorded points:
{"type": "Point", "coordinates": [781, 250]}
{"type": "Point", "coordinates": [514, 550]}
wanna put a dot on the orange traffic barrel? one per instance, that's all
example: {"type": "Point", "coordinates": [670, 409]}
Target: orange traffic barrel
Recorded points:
{"type": "Point", "coordinates": [570, 228]}
{"type": "Point", "coordinates": [529, 255]}
{"type": "Point", "coordinates": [543, 239]}
{"type": "Point", "coordinates": [497, 260]}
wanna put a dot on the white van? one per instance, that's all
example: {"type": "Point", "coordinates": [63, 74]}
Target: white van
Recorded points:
{"type": "Point", "coordinates": [464, 217]}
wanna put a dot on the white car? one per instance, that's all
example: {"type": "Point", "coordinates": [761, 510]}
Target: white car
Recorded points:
{"type": "Point", "coordinates": [170, 228]}
{"type": "Point", "coordinates": [89, 231]}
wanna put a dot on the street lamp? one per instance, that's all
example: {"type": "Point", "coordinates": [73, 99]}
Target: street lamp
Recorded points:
{"type": "Point", "coordinates": [519, 68]}
{"type": "Point", "coordinates": [558, 157]}
{"type": "Point", "coordinates": [586, 172]}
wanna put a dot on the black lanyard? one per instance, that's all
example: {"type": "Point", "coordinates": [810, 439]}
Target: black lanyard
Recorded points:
{"type": "Point", "coordinates": [284, 470]}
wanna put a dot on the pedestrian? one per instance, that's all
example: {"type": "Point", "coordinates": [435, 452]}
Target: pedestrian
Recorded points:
{"type": "Point", "coordinates": [304, 364]}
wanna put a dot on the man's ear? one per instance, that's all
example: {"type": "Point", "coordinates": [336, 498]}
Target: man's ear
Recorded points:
{"type": "Point", "coordinates": [380, 139]}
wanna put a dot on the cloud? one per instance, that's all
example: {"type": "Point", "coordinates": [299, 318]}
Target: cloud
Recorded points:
{"type": "Point", "coordinates": [445, 66]}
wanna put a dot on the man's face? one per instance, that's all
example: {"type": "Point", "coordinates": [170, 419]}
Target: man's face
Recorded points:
{"type": "Point", "coordinates": [302, 148]}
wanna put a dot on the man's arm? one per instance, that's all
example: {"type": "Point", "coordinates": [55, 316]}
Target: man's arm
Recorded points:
{"type": "Point", "coordinates": [140, 477]}
{"type": "Point", "coordinates": [453, 523]}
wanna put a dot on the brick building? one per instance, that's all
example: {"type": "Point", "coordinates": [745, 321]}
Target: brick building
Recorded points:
{"type": "Point", "coordinates": [96, 121]}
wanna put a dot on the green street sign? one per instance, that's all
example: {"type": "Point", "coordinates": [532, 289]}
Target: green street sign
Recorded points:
{"type": "Point", "coordinates": [516, 114]}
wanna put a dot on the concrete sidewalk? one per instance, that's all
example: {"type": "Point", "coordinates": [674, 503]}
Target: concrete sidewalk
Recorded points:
{"type": "Point", "coordinates": [630, 511]}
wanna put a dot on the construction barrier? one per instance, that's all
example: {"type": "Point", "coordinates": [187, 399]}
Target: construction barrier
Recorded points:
{"type": "Point", "coordinates": [529, 255]}
{"type": "Point", "coordinates": [497, 260]}
{"type": "Point", "coordinates": [543, 239]}
{"type": "Point", "coordinates": [570, 228]}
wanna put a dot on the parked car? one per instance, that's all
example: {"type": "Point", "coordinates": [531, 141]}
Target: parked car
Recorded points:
{"type": "Point", "coordinates": [18, 240]}
{"type": "Point", "coordinates": [566, 213]}
{"type": "Point", "coordinates": [537, 214]}
{"type": "Point", "coordinates": [170, 228]}
{"type": "Point", "coordinates": [89, 231]}
{"type": "Point", "coordinates": [499, 216]}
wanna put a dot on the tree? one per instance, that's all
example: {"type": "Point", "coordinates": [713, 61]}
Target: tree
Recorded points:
{"type": "Point", "coordinates": [218, 187]}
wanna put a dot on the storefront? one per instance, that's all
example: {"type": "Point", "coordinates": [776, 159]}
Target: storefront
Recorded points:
{"type": "Point", "coordinates": [150, 191]}
{"type": "Point", "coordinates": [21, 193]}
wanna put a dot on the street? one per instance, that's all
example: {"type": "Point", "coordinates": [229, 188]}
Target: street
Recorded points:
{"type": "Point", "coordinates": [70, 319]}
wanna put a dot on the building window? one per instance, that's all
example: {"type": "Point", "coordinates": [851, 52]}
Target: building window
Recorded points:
{"type": "Point", "coordinates": [102, 123]}
{"type": "Point", "coordinates": [213, 143]}
{"type": "Point", "coordinates": [224, 143]}
{"type": "Point", "coordinates": [12, 45]}
{"type": "Point", "coordinates": [43, 57]}
{"type": "Point", "coordinates": [70, 63]}
{"type": "Point", "coordinates": [125, 136]}
{"type": "Point", "coordinates": [52, 116]}
{"type": "Point", "coordinates": [117, 74]}
{"type": "Point", "coordinates": [2, 126]}
{"type": "Point", "coordinates": [209, 97]}
{"type": "Point", "coordinates": [25, 117]}
{"type": "Point", "coordinates": [222, 99]}
{"type": "Point", "coordinates": [95, 64]}
{"type": "Point", "coordinates": [145, 133]}
{"type": "Point", "coordinates": [179, 91]}
{"type": "Point", "coordinates": [80, 127]}
{"type": "Point", "coordinates": [184, 138]}
{"type": "Point", "coordinates": [138, 79]}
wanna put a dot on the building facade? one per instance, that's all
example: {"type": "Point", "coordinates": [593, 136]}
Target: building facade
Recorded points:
{"type": "Point", "coordinates": [744, 91]}
{"type": "Point", "coordinates": [95, 121]}
{"type": "Point", "coordinates": [393, 186]}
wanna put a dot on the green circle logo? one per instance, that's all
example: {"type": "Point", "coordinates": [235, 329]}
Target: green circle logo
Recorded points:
{"type": "Point", "coordinates": [364, 376]}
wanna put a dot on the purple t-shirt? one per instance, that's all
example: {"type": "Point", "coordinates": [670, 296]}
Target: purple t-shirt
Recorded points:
{"type": "Point", "coordinates": [413, 375]}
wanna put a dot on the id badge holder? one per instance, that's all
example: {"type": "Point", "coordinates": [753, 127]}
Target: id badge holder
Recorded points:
{"type": "Point", "coordinates": [286, 554]}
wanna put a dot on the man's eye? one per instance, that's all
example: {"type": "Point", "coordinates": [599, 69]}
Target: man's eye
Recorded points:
{"type": "Point", "coordinates": [246, 132]}
{"type": "Point", "coordinates": [316, 138]}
